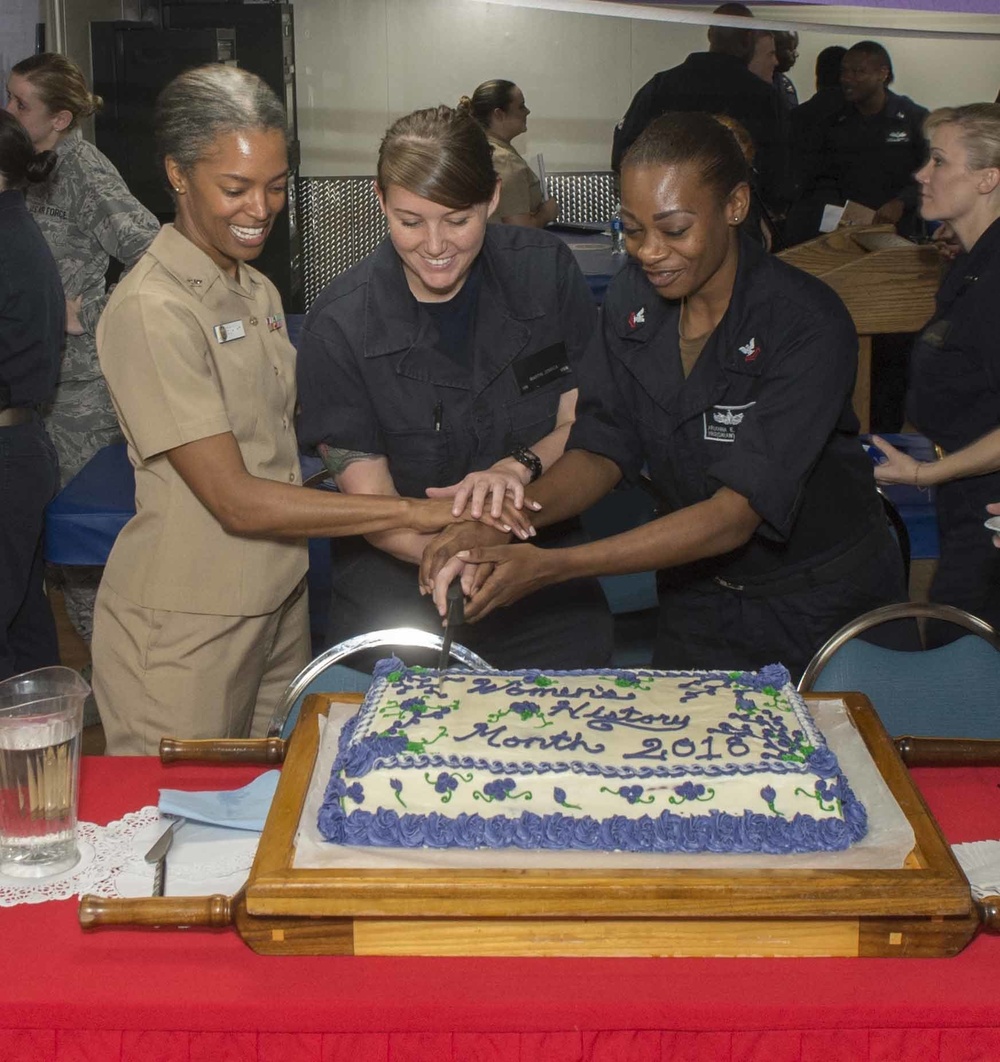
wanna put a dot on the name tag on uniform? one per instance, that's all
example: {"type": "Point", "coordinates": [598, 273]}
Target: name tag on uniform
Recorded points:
{"type": "Point", "coordinates": [226, 333]}
{"type": "Point", "coordinates": [541, 368]}
{"type": "Point", "coordinates": [721, 422]}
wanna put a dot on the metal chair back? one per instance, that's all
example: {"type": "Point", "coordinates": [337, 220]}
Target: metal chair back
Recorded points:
{"type": "Point", "coordinates": [950, 691]}
{"type": "Point", "coordinates": [329, 663]}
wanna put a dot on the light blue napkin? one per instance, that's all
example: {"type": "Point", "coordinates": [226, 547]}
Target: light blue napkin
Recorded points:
{"type": "Point", "coordinates": [239, 809]}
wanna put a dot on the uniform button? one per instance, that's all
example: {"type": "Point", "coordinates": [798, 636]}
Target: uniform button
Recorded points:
{"type": "Point", "coordinates": [277, 371]}
{"type": "Point", "coordinates": [291, 477]}
{"type": "Point", "coordinates": [253, 320]}
{"type": "Point", "coordinates": [284, 423]}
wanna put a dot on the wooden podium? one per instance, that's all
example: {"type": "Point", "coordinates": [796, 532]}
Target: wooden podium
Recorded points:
{"type": "Point", "coordinates": [887, 283]}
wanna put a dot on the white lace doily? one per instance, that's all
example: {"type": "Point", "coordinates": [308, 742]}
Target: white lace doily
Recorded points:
{"type": "Point", "coordinates": [202, 860]}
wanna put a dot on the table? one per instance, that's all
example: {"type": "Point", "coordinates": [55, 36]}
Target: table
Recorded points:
{"type": "Point", "coordinates": [203, 996]}
{"type": "Point", "coordinates": [592, 251]}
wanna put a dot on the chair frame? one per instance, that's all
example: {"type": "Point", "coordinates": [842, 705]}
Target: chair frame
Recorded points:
{"type": "Point", "coordinates": [905, 610]}
{"type": "Point", "coordinates": [408, 636]}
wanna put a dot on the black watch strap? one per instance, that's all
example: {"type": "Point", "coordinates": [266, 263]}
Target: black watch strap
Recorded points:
{"type": "Point", "coordinates": [531, 461]}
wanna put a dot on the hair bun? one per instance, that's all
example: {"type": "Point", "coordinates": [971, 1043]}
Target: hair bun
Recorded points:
{"type": "Point", "coordinates": [96, 103]}
{"type": "Point", "coordinates": [465, 103]}
{"type": "Point", "coordinates": [40, 166]}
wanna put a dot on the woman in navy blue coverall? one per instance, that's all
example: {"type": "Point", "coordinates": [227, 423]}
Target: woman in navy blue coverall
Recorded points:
{"type": "Point", "coordinates": [955, 364]}
{"type": "Point", "coordinates": [728, 375]}
{"type": "Point", "coordinates": [446, 363]}
{"type": "Point", "coordinates": [32, 320]}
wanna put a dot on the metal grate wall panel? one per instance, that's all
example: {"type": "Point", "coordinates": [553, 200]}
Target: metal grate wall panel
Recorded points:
{"type": "Point", "coordinates": [341, 224]}
{"type": "Point", "coordinates": [583, 197]}
{"type": "Point", "coordinates": [341, 221]}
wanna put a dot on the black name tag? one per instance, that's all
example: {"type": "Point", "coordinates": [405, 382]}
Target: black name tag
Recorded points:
{"type": "Point", "coordinates": [541, 368]}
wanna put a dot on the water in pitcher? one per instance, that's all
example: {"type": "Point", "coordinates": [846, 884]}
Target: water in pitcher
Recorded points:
{"type": "Point", "coordinates": [40, 725]}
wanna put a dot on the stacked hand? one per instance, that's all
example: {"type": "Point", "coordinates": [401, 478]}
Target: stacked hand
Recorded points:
{"type": "Point", "coordinates": [472, 549]}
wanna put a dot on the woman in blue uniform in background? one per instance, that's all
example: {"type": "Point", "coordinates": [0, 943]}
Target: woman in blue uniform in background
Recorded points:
{"type": "Point", "coordinates": [32, 324]}
{"type": "Point", "coordinates": [955, 365]}
{"type": "Point", "coordinates": [728, 374]}
{"type": "Point", "coordinates": [447, 359]}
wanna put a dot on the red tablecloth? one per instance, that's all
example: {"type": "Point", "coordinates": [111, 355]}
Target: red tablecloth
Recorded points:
{"type": "Point", "coordinates": [197, 996]}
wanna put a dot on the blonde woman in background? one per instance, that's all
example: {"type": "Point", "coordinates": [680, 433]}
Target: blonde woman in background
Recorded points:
{"type": "Point", "coordinates": [954, 395]}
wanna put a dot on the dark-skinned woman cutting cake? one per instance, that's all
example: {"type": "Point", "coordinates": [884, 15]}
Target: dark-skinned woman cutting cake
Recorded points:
{"type": "Point", "coordinates": [727, 375]}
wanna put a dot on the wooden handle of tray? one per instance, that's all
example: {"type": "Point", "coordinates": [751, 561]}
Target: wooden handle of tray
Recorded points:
{"type": "Point", "coordinates": [989, 913]}
{"type": "Point", "coordinates": [948, 752]}
{"type": "Point", "coordinates": [170, 912]}
{"type": "Point", "coordinates": [269, 751]}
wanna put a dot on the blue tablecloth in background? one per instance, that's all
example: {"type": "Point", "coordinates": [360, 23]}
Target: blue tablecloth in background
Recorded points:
{"type": "Point", "coordinates": [592, 252]}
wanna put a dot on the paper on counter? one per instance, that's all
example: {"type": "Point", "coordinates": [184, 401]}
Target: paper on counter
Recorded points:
{"type": "Point", "coordinates": [831, 217]}
{"type": "Point", "coordinates": [541, 176]}
{"type": "Point", "coordinates": [980, 861]}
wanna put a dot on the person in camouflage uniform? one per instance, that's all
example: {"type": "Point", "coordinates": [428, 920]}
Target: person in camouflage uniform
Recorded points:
{"type": "Point", "coordinates": [87, 216]}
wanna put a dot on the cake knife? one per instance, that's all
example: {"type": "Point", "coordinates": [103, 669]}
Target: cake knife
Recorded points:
{"type": "Point", "coordinates": [455, 616]}
{"type": "Point", "coordinates": [158, 855]}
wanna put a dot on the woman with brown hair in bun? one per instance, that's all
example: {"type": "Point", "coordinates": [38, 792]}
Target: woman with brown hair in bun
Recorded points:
{"type": "Point", "coordinates": [499, 107]}
{"type": "Point", "coordinates": [445, 364]}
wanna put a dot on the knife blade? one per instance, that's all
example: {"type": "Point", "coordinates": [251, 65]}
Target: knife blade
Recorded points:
{"type": "Point", "coordinates": [455, 617]}
{"type": "Point", "coordinates": [158, 855]}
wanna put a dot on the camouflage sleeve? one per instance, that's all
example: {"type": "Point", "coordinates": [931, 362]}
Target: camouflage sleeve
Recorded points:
{"type": "Point", "coordinates": [120, 224]}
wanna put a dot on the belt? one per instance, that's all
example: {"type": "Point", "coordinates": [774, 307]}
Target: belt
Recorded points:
{"type": "Point", "coordinates": [10, 418]}
{"type": "Point", "coordinates": [819, 575]}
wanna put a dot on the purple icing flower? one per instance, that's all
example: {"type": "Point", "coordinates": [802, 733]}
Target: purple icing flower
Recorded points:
{"type": "Point", "coordinates": [823, 762]}
{"type": "Point", "coordinates": [559, 795]}
{"type": "Point", "coordinates": [396, 784]}
{"type": "Point", "coordinates": [688, 790]}
{"type": "Point", "coordinates": [356, 792]}
{"type": "Point", "coordinates": [773, 675]}
{"type": "Point", "coordinates": [768, 795]}
{"type": "Point", "coordinates": [412, 704]}
{"type": "Point", "coordinates": [525, 709]}
{"type": "Point", "coordinates": [499, 789]}
{"type": "Point", "coordinates": [445, 782]}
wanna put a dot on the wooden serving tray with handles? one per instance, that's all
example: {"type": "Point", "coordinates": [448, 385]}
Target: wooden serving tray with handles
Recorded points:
{"type": "Point", "coordinates": [922, 909]}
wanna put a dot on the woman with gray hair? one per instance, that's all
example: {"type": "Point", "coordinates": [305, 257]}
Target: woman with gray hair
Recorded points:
{"type": "Point", "coordinates": [201, 618]}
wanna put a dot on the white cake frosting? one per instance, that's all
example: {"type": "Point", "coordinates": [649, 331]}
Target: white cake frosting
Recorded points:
{"type": "Point", "coordinates": [639, 761]}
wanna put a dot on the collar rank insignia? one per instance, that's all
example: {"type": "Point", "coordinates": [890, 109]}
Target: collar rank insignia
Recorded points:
{"type": "Point", "coordinates": [637, 317]}
{"type": "Point", "coordinates": [750, 350]}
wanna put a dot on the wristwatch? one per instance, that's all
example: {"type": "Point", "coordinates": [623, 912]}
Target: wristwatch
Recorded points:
{"type": "Point", "coordinates": [531, 461]}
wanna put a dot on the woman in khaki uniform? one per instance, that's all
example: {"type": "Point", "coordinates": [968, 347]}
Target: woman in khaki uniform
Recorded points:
{"type": "Point", "coordinates": [499, 107]}
{"type": "Point", "coordinates": [201, 619]}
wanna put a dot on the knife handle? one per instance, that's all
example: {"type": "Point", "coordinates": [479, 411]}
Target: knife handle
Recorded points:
{"type": "Point", "coordinates": [169, 912]}
{"type": "Point", "coordinates": [224, 750]}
